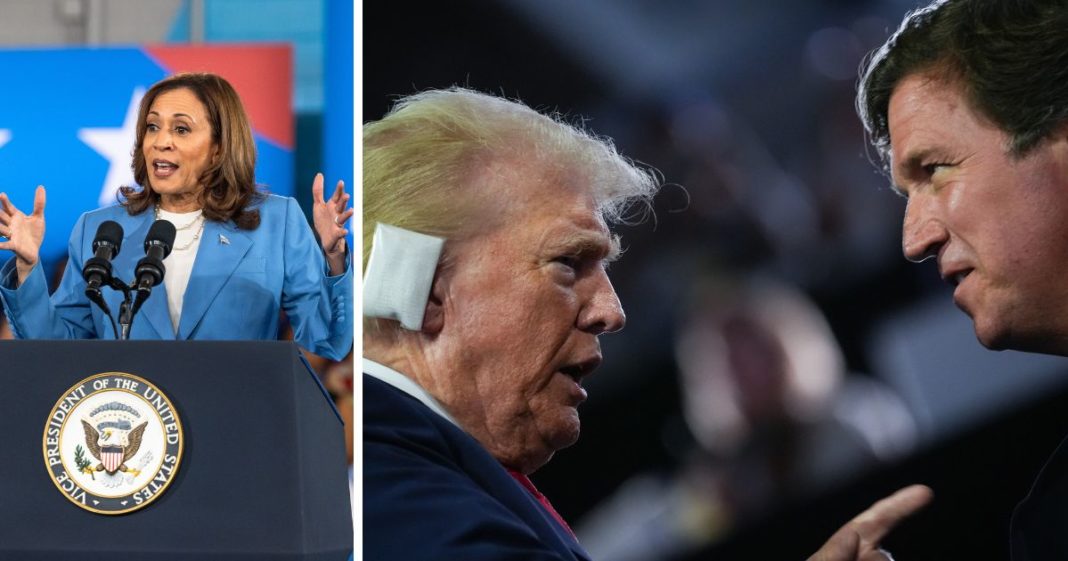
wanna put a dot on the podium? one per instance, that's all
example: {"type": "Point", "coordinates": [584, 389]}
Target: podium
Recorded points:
{"type": "Point", "coordinates": [263, 474]}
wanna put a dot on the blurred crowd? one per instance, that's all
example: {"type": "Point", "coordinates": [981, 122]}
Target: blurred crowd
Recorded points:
{"type": "Point", "coordinates": [774, 416]}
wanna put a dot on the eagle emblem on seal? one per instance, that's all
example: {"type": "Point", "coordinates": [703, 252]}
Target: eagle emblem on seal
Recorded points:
{"type": "Point", "coordinates": [113, 438]}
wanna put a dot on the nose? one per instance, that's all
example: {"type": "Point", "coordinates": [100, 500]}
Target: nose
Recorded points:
{"type": "Point", "coordinates": [923, 233]}
{"type": "Point", "coordinates": [162, 140]}
{"type": "Point", "coordinates": [603, 312]}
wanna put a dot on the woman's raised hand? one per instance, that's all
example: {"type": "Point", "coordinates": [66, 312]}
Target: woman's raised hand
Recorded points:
{"type": "Point", "coordinates": [330, 217]}
{"type": "Point", "coordinates": [23, 233]}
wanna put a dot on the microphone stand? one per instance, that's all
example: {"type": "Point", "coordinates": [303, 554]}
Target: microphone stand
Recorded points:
{"type": "Point", "coordinates": [126, 309]}
{"type": "Point", "coordinates": [96, 297]}
{"type": "Point", "coordinates": [125, 319]}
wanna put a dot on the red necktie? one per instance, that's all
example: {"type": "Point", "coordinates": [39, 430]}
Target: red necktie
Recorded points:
{"type": "Point", "coordinates": [529, 486]}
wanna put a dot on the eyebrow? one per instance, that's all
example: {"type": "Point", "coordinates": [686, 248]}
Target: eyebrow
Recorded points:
{"type": "Point", "coordinates": [911, 162]}
{"type": "Point", "coordinates": [586, 243]}
{"type": "Point", "coordinates": [187, 116]}
{"type": "Point", "coordinates": [914, 159]}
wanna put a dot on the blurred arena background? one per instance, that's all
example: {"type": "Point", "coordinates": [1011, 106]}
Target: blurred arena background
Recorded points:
{"type": "Point", "coordinates": [71, 67]}
{"type": "Point", "coordinates": [783, 366]}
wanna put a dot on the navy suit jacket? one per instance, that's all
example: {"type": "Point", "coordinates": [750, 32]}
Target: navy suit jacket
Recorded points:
{"type": "Point", "coordinates": [239, 282]}
{"type": "Point", "coordinates": [1040, 524]}
{"type": "Point", "coordinates": [432, 492]}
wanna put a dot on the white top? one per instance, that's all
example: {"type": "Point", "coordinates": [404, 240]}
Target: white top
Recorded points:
{"type": "Point", "coordinates": [179, 263]}
{"type": "Point", "coordinates": [406, 385]}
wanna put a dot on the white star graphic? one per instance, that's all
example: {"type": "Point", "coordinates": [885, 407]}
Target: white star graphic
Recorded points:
{"type": "Point", "coordinates": [5, 137]}
{"type": "Point", "coordinates": [115, 144]}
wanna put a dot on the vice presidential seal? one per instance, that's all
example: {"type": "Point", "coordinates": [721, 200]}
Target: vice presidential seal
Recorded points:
{"type": "Point", "coordinates": [112, 443]}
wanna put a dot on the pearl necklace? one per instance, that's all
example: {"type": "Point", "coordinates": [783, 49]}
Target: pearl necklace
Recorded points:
{"type": "Point", "coordinates": [196, 236]}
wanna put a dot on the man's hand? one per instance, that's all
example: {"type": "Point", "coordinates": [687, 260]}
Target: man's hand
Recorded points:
{"type": "Point", "coordinates": [859, 539]}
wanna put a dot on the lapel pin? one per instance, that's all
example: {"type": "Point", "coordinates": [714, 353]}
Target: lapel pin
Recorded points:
{"type": "Point", "coordinates": [223, 240]}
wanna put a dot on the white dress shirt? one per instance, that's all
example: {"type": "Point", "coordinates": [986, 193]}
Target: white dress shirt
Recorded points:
{"type": "Point", "coordinates": [406, 385]}
{"type": "Point", "coordinates": [179, 263]}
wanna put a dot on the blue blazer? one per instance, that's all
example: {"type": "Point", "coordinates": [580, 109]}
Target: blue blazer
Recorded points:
{"type": "Point", "coordinates": [239, 282]}
{"type": "Point", "coordinates": [432, 492]}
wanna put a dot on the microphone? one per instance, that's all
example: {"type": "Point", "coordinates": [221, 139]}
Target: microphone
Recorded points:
{"type": "Point", "coordinates": [106, 245]}
{"type": "Point", "coordinates": [97, 269]}
{"type": "Point", "coordinates": [148, 273]}
{"type": "Point", "coordinates": [150, 269]}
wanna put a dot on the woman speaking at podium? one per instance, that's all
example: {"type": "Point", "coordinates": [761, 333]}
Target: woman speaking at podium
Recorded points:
{"type": "Point", "coordinates": [238, 257]}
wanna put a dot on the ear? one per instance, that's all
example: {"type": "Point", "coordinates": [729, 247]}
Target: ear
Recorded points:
{"type": "Point", "coordinates": [434, 316]}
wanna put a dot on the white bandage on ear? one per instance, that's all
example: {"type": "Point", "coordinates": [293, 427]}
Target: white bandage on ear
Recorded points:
{"type": "Point", "coordinates": [399, 273]}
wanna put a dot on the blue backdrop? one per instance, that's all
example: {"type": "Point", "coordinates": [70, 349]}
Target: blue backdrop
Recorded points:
{"type": "Point", "coordinates": [67, 122]}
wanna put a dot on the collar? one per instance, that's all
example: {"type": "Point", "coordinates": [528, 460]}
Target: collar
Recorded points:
{"type": "Point", "coordinates": [406, 385]}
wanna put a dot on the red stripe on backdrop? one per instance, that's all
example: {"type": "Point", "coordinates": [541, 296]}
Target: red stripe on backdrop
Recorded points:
{"type": "Point", "coordinates": [261, 74]}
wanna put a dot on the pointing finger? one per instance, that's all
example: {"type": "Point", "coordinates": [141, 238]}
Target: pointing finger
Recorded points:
{"type": "Point", "coordinates": [842, 546]}
{"type": "Point", "coordinates": [873, 524]}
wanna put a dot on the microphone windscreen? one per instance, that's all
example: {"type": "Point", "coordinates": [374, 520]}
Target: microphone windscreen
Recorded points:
{"type": "Point", "coordinates": [162, 234]}
{"type": "Point", "coordinates": [110, 232]}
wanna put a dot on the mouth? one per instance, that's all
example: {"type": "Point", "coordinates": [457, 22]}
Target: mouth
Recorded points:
{"type": "Point", "coordinates": [577, 371]}
{"type": "Point", "coordinates": [163, 168]}
{"type": "Point", "coordinates": [956, 276]}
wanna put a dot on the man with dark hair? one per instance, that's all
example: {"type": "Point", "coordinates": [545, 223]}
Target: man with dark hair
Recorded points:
{"type": "Point", "coordinates": [967, 105]}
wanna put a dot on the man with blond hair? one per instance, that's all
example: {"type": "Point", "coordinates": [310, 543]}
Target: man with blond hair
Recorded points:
{"type": "Point", "coordinates": [486, 229]}
{"type": "Point", "coordinates": [477, 384]}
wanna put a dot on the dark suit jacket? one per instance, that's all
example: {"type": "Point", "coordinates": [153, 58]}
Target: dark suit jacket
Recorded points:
{"type": "Point", "coordinates": [432, 492]}
{"type": "Point", "coordinates": [1040, 523]}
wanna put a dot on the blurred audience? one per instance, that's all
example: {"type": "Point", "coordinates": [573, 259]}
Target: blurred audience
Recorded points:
{"type": "Point", "coordinates": [774, 416]}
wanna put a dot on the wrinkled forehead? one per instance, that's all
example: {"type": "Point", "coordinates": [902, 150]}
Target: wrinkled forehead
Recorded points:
{"type": "Point", "coordinates": [510, 190]}
{"type": "Point", "coordinates": [540, 210]}
{"type": "Point", "coordinates": [924, 115]}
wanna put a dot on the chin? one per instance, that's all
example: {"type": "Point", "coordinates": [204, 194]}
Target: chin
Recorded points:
{"type": "Point", "coordinates": [565, 430]}
{"type": "Point", "coordinates": [993, 343]}
{"type": "Point", "coordinates": [552, 434]}
{"type": "Point", "coordinates": [991, 335]}
{"type": "Point", "coordinates": [1000, 338]}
